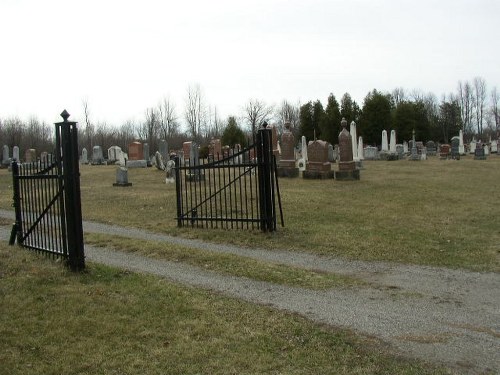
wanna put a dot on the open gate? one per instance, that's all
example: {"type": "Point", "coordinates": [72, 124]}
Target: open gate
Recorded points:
{"type": "Point", "coordinates": [47, 200]}
{"type": "Point", "coordinates": [238, 191]}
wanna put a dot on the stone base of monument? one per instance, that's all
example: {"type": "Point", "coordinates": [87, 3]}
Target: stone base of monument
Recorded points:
{"type": "Point", "coordinates": [347, 175]}
{"type": "Point", "coordinates": [288, 172]}
{"type": "Point", "coordinates": [137, 164]}
{"type": "Point", "coordinates": [318, 175]}
{"type": "Point", "coordinates": [392, 157]}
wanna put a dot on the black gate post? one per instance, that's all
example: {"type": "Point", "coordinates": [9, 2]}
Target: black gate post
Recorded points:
{"type": "Point", "coordinates": [16, 228]}
{"type": "Point", "coordinates": [264, 159]}
{"type": "Point", "coordinates": [72, 196]}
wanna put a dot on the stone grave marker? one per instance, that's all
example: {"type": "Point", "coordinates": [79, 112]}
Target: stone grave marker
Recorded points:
{"type": "Point", "coordinates": [30, 155]}
{"type": "Point", "coordinates": [455, 148]}
{"type": "Point", "coordinates": [444, 151]}
{"type": "Point", "coordinates": [97, 156]}
{"type": "Point", "coordinates": [122, 177]}
{"type": "Point", "coordinates": [318, 165]}
{"type": "Point", "coordinates": [347, 166]}
{"type": "Point", "coordinates": [431, 148]}
{"type": "Point", "coordinates": [84, 158]}
{"type": "Point", "coordinates": [370, 153]}
{"type": "Point", "coordinates": [286, 164]}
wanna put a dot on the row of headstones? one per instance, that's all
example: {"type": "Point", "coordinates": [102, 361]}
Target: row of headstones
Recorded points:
{"type": "Point", "coordinates": [29, 156]}
{"type": "Point", "coordinates": [138, 155]}
{"type": "Point", "coordinates": [317, 156]}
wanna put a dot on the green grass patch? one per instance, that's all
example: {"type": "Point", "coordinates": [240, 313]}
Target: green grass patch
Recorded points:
{"type": "Point", "coordinates": [228, 264]}
{"type": "Point", "coordinates": [108, 321]}
{"type": "Point", "coordinates": [434, 212]}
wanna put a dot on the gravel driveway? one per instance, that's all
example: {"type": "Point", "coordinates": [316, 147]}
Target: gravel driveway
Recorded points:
{"type": "Point", "coordinates": [442, 316]}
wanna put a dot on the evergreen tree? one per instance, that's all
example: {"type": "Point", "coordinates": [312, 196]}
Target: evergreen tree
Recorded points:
{"type": "Point", "coordinates": [233, 134]}
{"type": "Point", "coordinates": [330, 126]}
{"type": "Point", "coordinates": [375, 116]}
{"type": "Point", "coordinates": [306, 121]}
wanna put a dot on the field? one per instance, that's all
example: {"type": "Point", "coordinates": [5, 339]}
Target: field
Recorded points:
{"type": "Point", "coordinates": [440, 213]}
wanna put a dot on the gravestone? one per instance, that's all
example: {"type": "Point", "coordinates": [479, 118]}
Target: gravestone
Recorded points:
{"type": "Point", "coordinates": [215, 149]}
{"type": "Point", "coordinates": [361, 154]}
{"type": "Point", "coordinates": [347, 166]}
{"type": "Point", "coordinates": [472, 146]}
{"type": "Point", "coordinates": [286, 165]}
{"type": "Point", "coordinates": [135, 151]}
{"type": "Point", "coordinates": [122, 177]}
{"type": "Point", "coordinates": [431, 148]}
{"type": "Point", "coordinates": [414, 156]}
{"type": "Point", "coordinates": [30, 155]}
{"type": "Point", "coordinates": [444, 151]}
{"type": "Point", "coordinates": [354, 140]}
{"type": "Point", "coordinates": [405, 147]}
{"type": "Point", "coordinates": [392, 145]}
{"type": "Point", "coordinates": [15, 153]}
{"type": "Point", "coordinates": [5, 156]}
{"type": "Point", "coordinates": [385, 144]}
{"type": "Point", "coordinates": [461, 148]}
{"type": "Point", "coordinates": [163, 149]}
{"type": "Point", "coordinates": [304, 148]}
{"type": "Point", "coordinates": [479, 153]}
{"type": "Point", "coordinates": [84, 158]}
{"type": "Point", "coordinates": [97, 156]}
{"type": "Point", "coordinates": [455, 148]}
{"type": "Point", "coordinates": [318, 165]}
{"type": "Point", "coordinates": [275, 143]}
{"type": "Point", "coordinates": [494, 147]}
{"type": "Point", "coordinates": [486, 150]}
{"type": "Point", "coordinates": [169, 172]}
{"type": "Point", "coordinates": [331, 153]}
{"type": "Point", "coordinates": [114, 154]}
{"type": "Point", "coordinates": [370, 153]}
{"type": "Point", "coordinates": [400, 151]}
{"type": "Point", "coordinates": [159, 161]}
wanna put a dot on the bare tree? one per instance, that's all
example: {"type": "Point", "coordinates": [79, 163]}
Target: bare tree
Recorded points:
{"type": "Point", "coordinates": [149, 129]}
{"type": "Point", "coordinates": [288, 113]}
{"type": "Point", "coordinates": [167, 119]}
{"type": "Point", "coordinates": [195, 113]}
{"type": "Point", "coordinates": [466, 103]}
{"type": "Point", "coordinates": [255, 112]}
{"type": "Point", "coordinates": [215, 124]}
{"type": "Point", "coordinates": [495, 98]}
{"type": "Point", "coordinates": [398, 95]}
{"type": "Point", "coordinates": [89, 128]}
{"type": "Point", "coordinates": [480, 102]}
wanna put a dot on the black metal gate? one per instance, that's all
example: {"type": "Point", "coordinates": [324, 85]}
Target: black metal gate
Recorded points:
{"type": "Point", "coordinates": [238, 191]}
{"type": "Point", "coordinates": [47, 200]}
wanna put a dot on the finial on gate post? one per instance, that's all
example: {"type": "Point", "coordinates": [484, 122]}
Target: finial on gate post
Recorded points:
{"type": "Point", "coordinates": [264, 125]}
{"type": "Point", "coordinates": [65, 115]}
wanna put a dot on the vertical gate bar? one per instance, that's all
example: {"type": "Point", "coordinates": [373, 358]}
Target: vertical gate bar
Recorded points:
{"type": "Point", "coordinates": [221, 165]}
{"type": "Point", "coordinates": [201, 214]}
{"type": "Point", "coordinates": [32, 238]}
{"type": "Point", "coordinates": [210, 194]}
{"type": "Point", "coordinates": [246, 191]}
{"type": "Point", "coordinates": [178, 191]}
{"type": "Point", "coordinates": [226, 165]}
{"type": "Point", "coordinates": [230, 188]}
{"type": "Point", "coordinates": [240, 177]}
{"type": "Point", "coordinates": [38, 203]}
{"type": "Point", "coordinates": [61, 209]}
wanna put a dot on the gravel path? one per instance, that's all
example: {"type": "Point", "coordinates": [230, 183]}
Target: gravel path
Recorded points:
{"type": "Point", "coordinates": [442, 316]}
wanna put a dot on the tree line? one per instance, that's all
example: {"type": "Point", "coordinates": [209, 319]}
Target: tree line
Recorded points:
{"type": "Point", "coordinates": [470, 109]}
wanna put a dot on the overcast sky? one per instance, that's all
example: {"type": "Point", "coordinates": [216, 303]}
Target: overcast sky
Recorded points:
{"type": "Point", "coordinates": [125, 56]}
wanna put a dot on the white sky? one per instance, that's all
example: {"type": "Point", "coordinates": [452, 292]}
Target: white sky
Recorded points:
{"type": "Point", "coordinates": [125, 56]}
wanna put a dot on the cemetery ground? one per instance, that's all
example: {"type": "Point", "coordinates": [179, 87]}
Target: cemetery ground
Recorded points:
{"type": "Point", "coordinates": [406, 214]}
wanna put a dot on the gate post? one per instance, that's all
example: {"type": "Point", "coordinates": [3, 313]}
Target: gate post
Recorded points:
{"type": "Point", "coordinates": [16, 228]}
{"type": "Point", "coordinates": [72, 196]}
{"type": "Point", "coordinates": [264, 159]}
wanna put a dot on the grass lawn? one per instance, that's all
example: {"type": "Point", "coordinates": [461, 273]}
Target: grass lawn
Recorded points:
{"type": "Point", "coordinates": [106, 321]}
{"type": "Point", "coordinates": [432, 212]}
